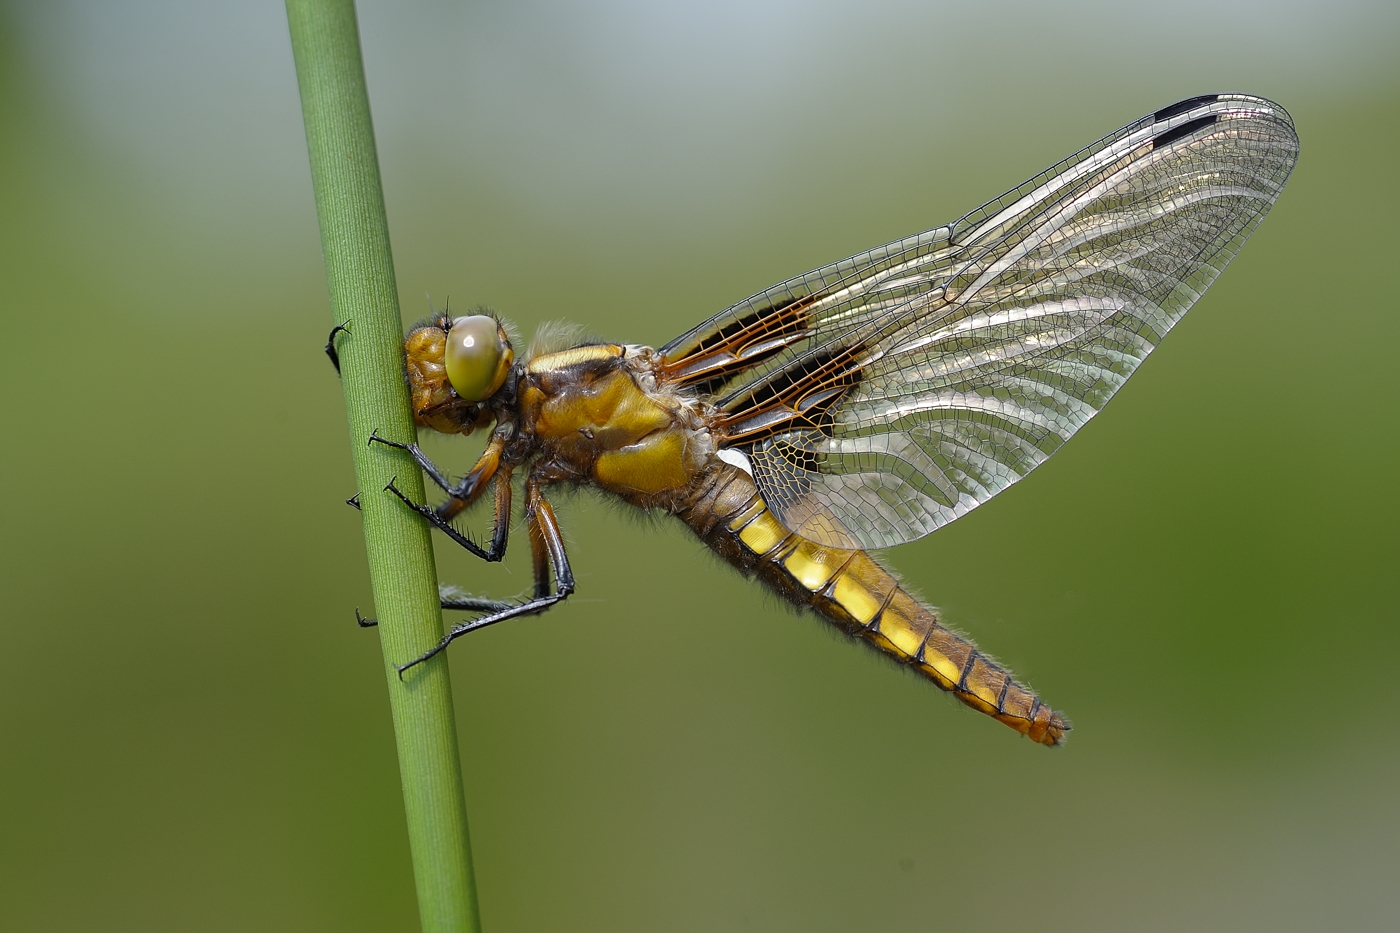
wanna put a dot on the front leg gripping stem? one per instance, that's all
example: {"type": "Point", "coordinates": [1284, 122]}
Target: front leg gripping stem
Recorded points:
{"type": "Point", "coordinates": [437, 521]}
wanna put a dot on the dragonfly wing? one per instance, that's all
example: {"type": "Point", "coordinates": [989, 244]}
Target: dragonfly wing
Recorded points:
{"type": "Point", "coordinates": [915, 382]}
{"type": "Point", "coordinates": [766, 332]}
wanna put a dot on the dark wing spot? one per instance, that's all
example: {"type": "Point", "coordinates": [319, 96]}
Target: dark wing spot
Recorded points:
{"type": "Point", "coordinates": [1185, 129]}
{"type": "Point", "coordinates": [1181, 106]}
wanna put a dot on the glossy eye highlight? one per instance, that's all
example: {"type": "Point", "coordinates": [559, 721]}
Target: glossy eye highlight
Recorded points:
{"type": "Point", "coordinates": [478, 356]}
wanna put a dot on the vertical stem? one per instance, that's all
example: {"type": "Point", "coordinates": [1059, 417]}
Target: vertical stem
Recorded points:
{"type": "Point", "coordinates": [360, 275]}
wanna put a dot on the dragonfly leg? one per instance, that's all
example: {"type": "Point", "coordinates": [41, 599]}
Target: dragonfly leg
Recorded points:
{"type": "Point", "coordinates": [451, 598]}
{"type": "Point", "coordinates": [420, 458]}
{"type": "Point", "coordinates": [487, 468]}
{"type": "Point", "coordinates": [330, 344]}
{"type": "Point", "coordinates": [447, 528]}
{"type": "Point", "coordinates": [500, 531]}
{"type": "Point", "coordinates": [464, 493]}
{"type": "Point", "coordinates": [454, 598]}
{"type": "Point", "coordinates": [550, 558]}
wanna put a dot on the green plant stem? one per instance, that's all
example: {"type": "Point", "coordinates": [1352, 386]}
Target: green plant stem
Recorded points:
{"type": "Point", "coordinates": [360, 275]}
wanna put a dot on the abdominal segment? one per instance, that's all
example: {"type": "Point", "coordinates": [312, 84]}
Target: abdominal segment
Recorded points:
{"type": "Point", "coordinates": [852, 590]}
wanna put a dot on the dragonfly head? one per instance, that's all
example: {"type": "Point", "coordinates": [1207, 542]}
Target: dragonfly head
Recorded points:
{"type": "Point", "coordinates": [455, 365]}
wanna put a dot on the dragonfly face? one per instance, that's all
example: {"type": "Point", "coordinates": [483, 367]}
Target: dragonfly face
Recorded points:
{"type": "Point", "coordinates": [453, 367]}
{"type": "Point", "coordinates": [873, 400]}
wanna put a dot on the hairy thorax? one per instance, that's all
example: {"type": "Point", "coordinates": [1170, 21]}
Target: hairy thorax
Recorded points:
{"type": "Point", "coordinates": [597, 416]}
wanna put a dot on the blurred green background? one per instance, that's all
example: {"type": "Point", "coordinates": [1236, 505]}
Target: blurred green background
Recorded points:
{"type": "Point", "coordinates": [195, 735]}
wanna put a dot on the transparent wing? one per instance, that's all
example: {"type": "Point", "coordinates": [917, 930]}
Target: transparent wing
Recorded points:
{"type": "Point", "coordinates": [884, 396]}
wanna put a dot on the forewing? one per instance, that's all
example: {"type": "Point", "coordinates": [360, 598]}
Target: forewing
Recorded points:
{"type": "Point", "coordinates": [914, 382]}
{"type": "Point", "coordinates": [795, 317]}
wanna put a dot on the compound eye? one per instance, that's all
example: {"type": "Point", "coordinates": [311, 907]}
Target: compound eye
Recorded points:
{"type": "Point", "coordinates": [478, 356]}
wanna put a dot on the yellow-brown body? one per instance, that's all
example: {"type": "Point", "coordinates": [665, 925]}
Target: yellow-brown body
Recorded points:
{"type": "Point", "coordinates": [587, 410]}
{"type": "Point", "coordinates": [594, 415]}
{"type": "Point", "coordinates": [871, 401]}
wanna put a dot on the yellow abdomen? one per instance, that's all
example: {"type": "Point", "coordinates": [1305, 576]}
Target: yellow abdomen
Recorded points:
{"type": "Point", "coordinates": [851, 589]}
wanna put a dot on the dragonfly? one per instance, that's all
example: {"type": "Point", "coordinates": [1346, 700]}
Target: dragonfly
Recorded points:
{"type": "Point", "coordinates": [869, 402]}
